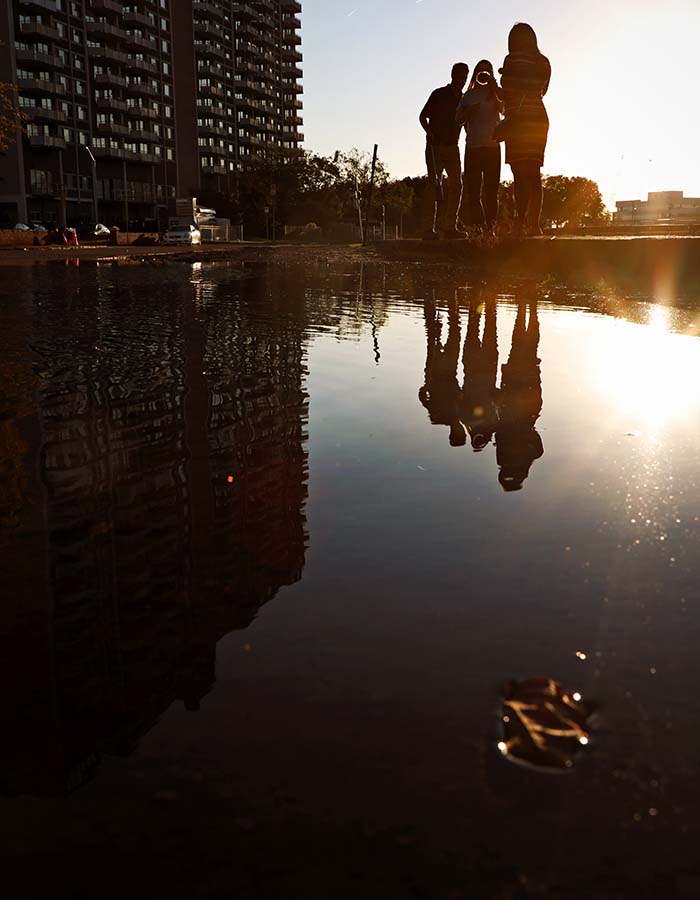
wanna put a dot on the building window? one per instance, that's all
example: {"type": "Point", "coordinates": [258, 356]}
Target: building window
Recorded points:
{"type": "Point", "coordinates": [40, 181]}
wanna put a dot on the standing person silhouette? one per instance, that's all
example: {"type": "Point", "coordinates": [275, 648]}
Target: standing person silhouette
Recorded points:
{"type": "Point", "coordinates": [518, 443]}
{"type": "Point", "coordinates": [524, 82]}
{"type": "Point", "coordinates": [480, 362]}
{"type": "Point", "coordinates": [442, 155]}
{"type": "Point", "coordinates": [440, 393]}
{"type": "Point", "coordinates": [480, 112]}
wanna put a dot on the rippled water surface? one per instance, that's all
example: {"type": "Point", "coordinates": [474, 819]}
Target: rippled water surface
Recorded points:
{"type": "Point", "coordinates": [273, 540]}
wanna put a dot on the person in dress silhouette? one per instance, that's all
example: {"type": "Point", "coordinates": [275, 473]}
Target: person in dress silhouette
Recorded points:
{"type": "Point", "coordinates": [518, 443]}
{"type": "Point", "coordinates": [524, 82]}
{"type": "Point", "coordinates": [440, 394]}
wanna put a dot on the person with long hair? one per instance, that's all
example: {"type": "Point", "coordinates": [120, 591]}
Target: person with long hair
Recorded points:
{"type": "Point", "coordinates": [480, 112]}
{"type": "Point", "coordinates": [525, 79]}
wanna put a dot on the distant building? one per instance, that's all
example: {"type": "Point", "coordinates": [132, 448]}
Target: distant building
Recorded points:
{"type": "Point", "coordinates": [661, 208]}
{"type": "Point", "coordinates": [172, 98]}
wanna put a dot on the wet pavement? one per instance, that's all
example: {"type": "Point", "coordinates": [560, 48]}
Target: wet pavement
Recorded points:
{"type": "Point", "coordinates": [283, 549]}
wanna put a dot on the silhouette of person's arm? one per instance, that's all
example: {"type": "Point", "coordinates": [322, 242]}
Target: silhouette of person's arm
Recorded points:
{"type": "Point", "coordinates": [426, 115]}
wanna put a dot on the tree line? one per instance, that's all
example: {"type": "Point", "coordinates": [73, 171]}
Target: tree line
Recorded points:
{"type": "Point", "coordinates": [327, 190]}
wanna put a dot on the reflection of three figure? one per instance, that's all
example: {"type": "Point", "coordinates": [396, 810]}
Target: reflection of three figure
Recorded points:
{"type": "Point", "coordinates": [479, 409]}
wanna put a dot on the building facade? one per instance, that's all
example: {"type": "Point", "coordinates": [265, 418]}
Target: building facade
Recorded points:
{"type": "Point", "coordinates": [130, 104]}
{"type": "Point", "coordinates": [661, 208]}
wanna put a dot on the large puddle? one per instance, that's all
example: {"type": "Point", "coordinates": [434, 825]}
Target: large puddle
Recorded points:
{"type": "Point", "coordinates": [283, 551]}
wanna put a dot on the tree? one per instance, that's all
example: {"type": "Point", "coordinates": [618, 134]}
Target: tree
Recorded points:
{"type": "Point", "coordinates": [11, 119]}
{"type": "Point", "coordinates": [572, 202]}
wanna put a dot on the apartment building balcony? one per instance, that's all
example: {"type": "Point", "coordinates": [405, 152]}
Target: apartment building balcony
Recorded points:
{"type": "Point", "coordinates": [112, 104]}
{"type": "Point", "coordinates": [291, 6]}
{"type": "Point", "coordinates": [41, 5]}
{"type": "Point", "coordinates": [48, 141]}
{"type": "Point", "coordinates": [209, 90]}
{"type": "Point", "coordinates": [205, 49]}
{"type": "Point", "coordinates": [41, 114]}
{"type": "Point", "coordinates": [210, 29]}
{"type": "Point", "coordinates": [213, 129]}
{"type": "Point", "coordinates": [141, 43]}
{"type": "Point", "coordinates": [212, 71]}
{"type": "Point", "coordinates": [292, 71]}
{"type": "Point", "coordinates": [143, 112]}
{"type": "Point", "coordinates": [248, 101]}
{"type": "Point", "coordinates": [106, 31]}
{"type": "Point", "coordinates": [114, 153]}
{"type": "Point", "coordinates": [109, 54]}
{"type": "Point", "coordinates": [142, 65]}
{"type": "Point", "coordinates": [138, 134]}
{"type": "Point", "coordinates": [113, 128]}
{"type": "Point", "coordinates": [142, 88]}
{"type": "Point", "coordinates": [150, 158]}
{"type": "Point", "coordinates": [291, 55]}
{"type": "Point", "coordinates": [108, 6]}
{"type": "Point", "coordinates": [40, 86]}
{"type": "Point", "coordinates": [213, 170]}
{"type": "Point", "coordinates": [243, 11]}
{"type": "Point", "coordinates": [33, 58]}
{"type": "Point", "coordinates": [208, 9]}
{"type": "Point", "coordinates": [137, 18]}
{"type": "Point", "coordinates": [291, 38]}
{"type": "Point", "coordinates": [214, 150]}
{"type": "Point", "coordinates": [109, 79]}
{"type": "Point", "coordinates": [38, 29]}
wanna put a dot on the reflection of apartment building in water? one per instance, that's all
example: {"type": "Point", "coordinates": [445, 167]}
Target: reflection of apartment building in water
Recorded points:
{"type": "Point", "coordinates": [169, 96]}
{"type": "Point", "coordinates": [661, 208]}
{"type": "Point", "coordinates": [173, 509]}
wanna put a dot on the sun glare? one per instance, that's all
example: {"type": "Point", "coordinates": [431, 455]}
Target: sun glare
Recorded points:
{"type": "Point", "coordinates": [649, 375]}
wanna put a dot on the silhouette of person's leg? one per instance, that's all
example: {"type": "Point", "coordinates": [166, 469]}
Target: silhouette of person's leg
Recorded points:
{"type": "Point", "coordinates": [490, 340]}
{"type": "Point", "coordinates": [519, 330]}
{"type": "Point", "coordinates": [533, 331]}
{"type": "Point", "coordinates": [492, 180]}
{"type": "Point", "coordinates": [473, 180]}
{"type": "Point", "coordinates": [431, 191]}
{"type": "Point", "coordinates": [521, 188]}
{"type": "Point", "coordinates": [453, 166]}
{"type": "Point", "coordinates": [535, 204]}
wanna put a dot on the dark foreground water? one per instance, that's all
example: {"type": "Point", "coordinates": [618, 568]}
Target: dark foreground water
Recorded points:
{"type": "Point", "coordinates": [260, 595]}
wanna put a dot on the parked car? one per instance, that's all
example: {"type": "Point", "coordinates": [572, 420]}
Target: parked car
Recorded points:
{"type": "Point", "coordinates": [20, 227]}
{"type": "Point", "coordinates": [183, 234]}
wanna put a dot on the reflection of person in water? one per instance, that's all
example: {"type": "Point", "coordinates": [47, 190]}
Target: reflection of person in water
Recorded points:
{"type": "Point", "coordinates": [440, 393]}
{"type": "Point", "coordinates": [480, 360]}
{"type": "Point", "coordinates": [518, 444]}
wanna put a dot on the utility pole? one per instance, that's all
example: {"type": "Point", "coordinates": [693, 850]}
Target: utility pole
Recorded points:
{"type": "Point", "coordinates": [95, 210]}
{"type": "Point", "coordinates": [126, 197]}
{"type": "Point", "coordinates": [371, 191]}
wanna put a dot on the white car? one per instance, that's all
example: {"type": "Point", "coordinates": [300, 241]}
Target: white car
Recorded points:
{"type": "Point", "coordinates": [20, 226]}
{"type": "Point", "coordinates": [101, 230]}
{"type": "Point", "coordinates": [183, 234]}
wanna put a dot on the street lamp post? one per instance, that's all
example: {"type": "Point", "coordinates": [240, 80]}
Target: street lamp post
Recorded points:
{"type": "Point", "coordinates": [95, 211]}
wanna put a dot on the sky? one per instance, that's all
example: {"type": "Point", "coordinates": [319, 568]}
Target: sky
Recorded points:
{"type": "Point", "coordinates": [623, 101]}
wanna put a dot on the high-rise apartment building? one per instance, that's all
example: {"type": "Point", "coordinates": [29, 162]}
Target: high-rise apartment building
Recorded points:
{"type": "Point", "coordinates": [132, 103]}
